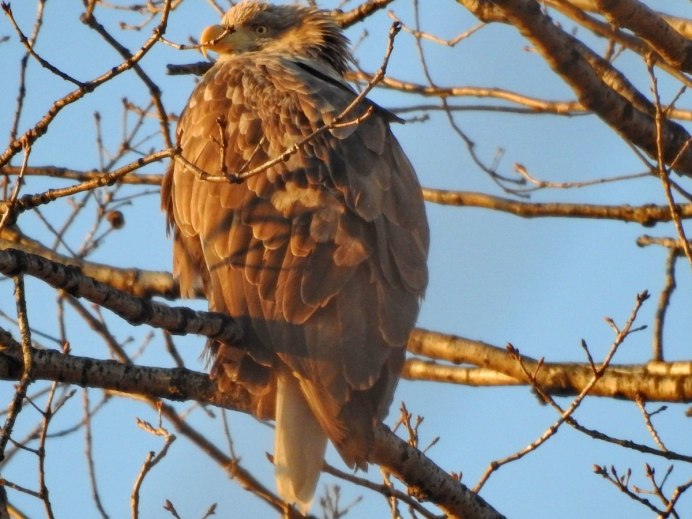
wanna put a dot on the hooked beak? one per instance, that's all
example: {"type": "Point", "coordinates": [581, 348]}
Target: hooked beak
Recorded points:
{"type": "Point", "coordinates": [216, 38]}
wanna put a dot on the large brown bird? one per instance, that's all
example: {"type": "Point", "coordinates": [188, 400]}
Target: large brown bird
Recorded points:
{"type": "Point", "coordinates": [321, 257]}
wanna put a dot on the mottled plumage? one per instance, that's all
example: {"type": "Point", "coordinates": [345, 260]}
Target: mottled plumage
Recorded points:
{"type": "Point", "coordinates": [321, 258]}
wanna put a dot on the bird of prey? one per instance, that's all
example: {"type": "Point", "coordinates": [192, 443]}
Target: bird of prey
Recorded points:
{"type": "Point", "coordinates": [320, 257]}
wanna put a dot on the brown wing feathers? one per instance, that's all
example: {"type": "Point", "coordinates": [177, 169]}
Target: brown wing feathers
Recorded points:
{"type": "Point", "coordinates": [321, 257]}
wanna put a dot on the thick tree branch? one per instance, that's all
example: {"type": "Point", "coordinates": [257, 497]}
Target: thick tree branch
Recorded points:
{"type": "Point", "coordinates": [178, 384]}
{"type": "Point", "coordinates": [427, 480]}
{"type": "Point", "coordinates": [614, 34]}
{"type": "Point", "coordinates": [180, 320]}
{"type": "Point", "coordinates": [665, 34]}
{"type": "Point", "coordinates": [654, 381]}
{"type": "Point", "coordinates": [435, 371]}
{"type": "Point", "coordinates": [137, 282]}
{"type": "Point", "coordinates": [680, 24]}
{"type": "Point", "coordinates": [669, 382]}
{"type": "Point", "coordinates": [598, 86]}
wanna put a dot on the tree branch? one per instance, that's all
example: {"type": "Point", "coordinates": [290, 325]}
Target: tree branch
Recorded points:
{"type": "Point", "coordinates": [360, 13]}
{"type": "Point", "coordinates": [178, 384]}
{"type": "Point", "coordinates": [669, 44]}
{"type": "Point", "coordinates": [681, 25]}
{"type": "Point", "coordinates": [426, 479]}
{"type": "Point", "coordinates": [598, 86]}
{"type": "Point", "coordinates": [135, 310]}
{"type": "Point", "coordinates": [134, 281]}
{"type": "Point", "coordinates": [654, 381]}
{"type": "Point", "coordinates": [646, 215]}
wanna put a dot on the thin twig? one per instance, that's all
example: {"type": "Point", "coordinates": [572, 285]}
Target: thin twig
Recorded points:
{"type": "Point", "coordinates": [662, 170]}
{"type": "Point", "coordinates": [89, 454]}
{"type": "Point", "coordinates": [27, 362]}
{"type": "Point", "coordinates": [41, 127]}
{"type": "Point", "coordinates": [663, 303]}
{"type": "Point", "coordinates": [47, 416]}
{"type": "Point", "coordinates": [565, 415]}
{"type": "Point", "coordinates": [151, 461]}
{"type": "Point", "coordinates": [649, 426]}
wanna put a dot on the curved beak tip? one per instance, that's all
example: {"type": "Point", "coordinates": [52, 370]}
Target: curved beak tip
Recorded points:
{"type": "Point", "coordinates": [209, 38]}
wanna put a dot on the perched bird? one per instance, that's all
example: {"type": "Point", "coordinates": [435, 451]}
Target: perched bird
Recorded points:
{"type": "Point", "coordinates": [321, 257]}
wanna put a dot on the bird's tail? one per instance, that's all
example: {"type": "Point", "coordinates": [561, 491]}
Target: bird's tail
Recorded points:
{"type": "Point", "coordinates": [299, 445]}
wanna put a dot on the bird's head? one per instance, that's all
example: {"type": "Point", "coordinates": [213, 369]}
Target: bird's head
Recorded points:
{"type": "Point", "coordinates": [256, 26]}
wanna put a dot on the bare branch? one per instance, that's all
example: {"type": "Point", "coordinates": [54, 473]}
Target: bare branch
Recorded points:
{"type": "Point", "coordinates": [360, 13]}
{"type": "Point", "coordinates": [597, 84]}
{"type": "Point", "coordinates": [654, 381]}
{"type": "Point", "coordinates": [41, 127]}
{"type": "Point", "coordinates": [425, 479]}
{"type": "Point", "coordinates": [646, 215]}
{"type": "Point", "coordinates": [134, 310]}
{"type": "Point", "coordinates": [669, 44]}
{"type": "Point", "coordinates": [24, 374]}
{"type": "Point", "coordinates": [171, 383]}
{"type": "Point", "coordinates": [430, 482]}
{"type": "Point", "coordinates": [134, 281]}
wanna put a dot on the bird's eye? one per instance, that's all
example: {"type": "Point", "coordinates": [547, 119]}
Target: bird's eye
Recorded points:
{"type": "Point", "coordinates": [261, 29]}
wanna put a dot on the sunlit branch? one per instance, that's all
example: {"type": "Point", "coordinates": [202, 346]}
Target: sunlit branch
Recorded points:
{"type": "Point", "coordinates": [613, 33]}
{"type": "Point", "coordinates": [645, 215]}
{"type": "Point", "coordinates": [106, 179]}
{"type": "Point", "coordinates": [597, 84]}
{"type": "Point", "coordinates": [360, 13]}
{"type": "Point", "coordinates": [133, 309]}
{"type": "Point", "coordinates": [673, 47]}
{"type": "Point", "coordinates": [680, 24]}
{"type": "Point", "coordinates": [653, 381]}
{"type": "Point", "coordinates": [539, 105]}
{"type": "Point", "coordinates": [669, 243]}
{"type": "Point", "coordinates": [427, 480]}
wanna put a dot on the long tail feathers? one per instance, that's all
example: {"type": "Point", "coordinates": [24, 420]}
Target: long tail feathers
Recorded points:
{"type": "Point", "coordinates": [299, 445]}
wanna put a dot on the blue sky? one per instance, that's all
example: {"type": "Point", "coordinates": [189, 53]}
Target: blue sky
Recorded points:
{"type": "Point", "coordinates": [543, 284]}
